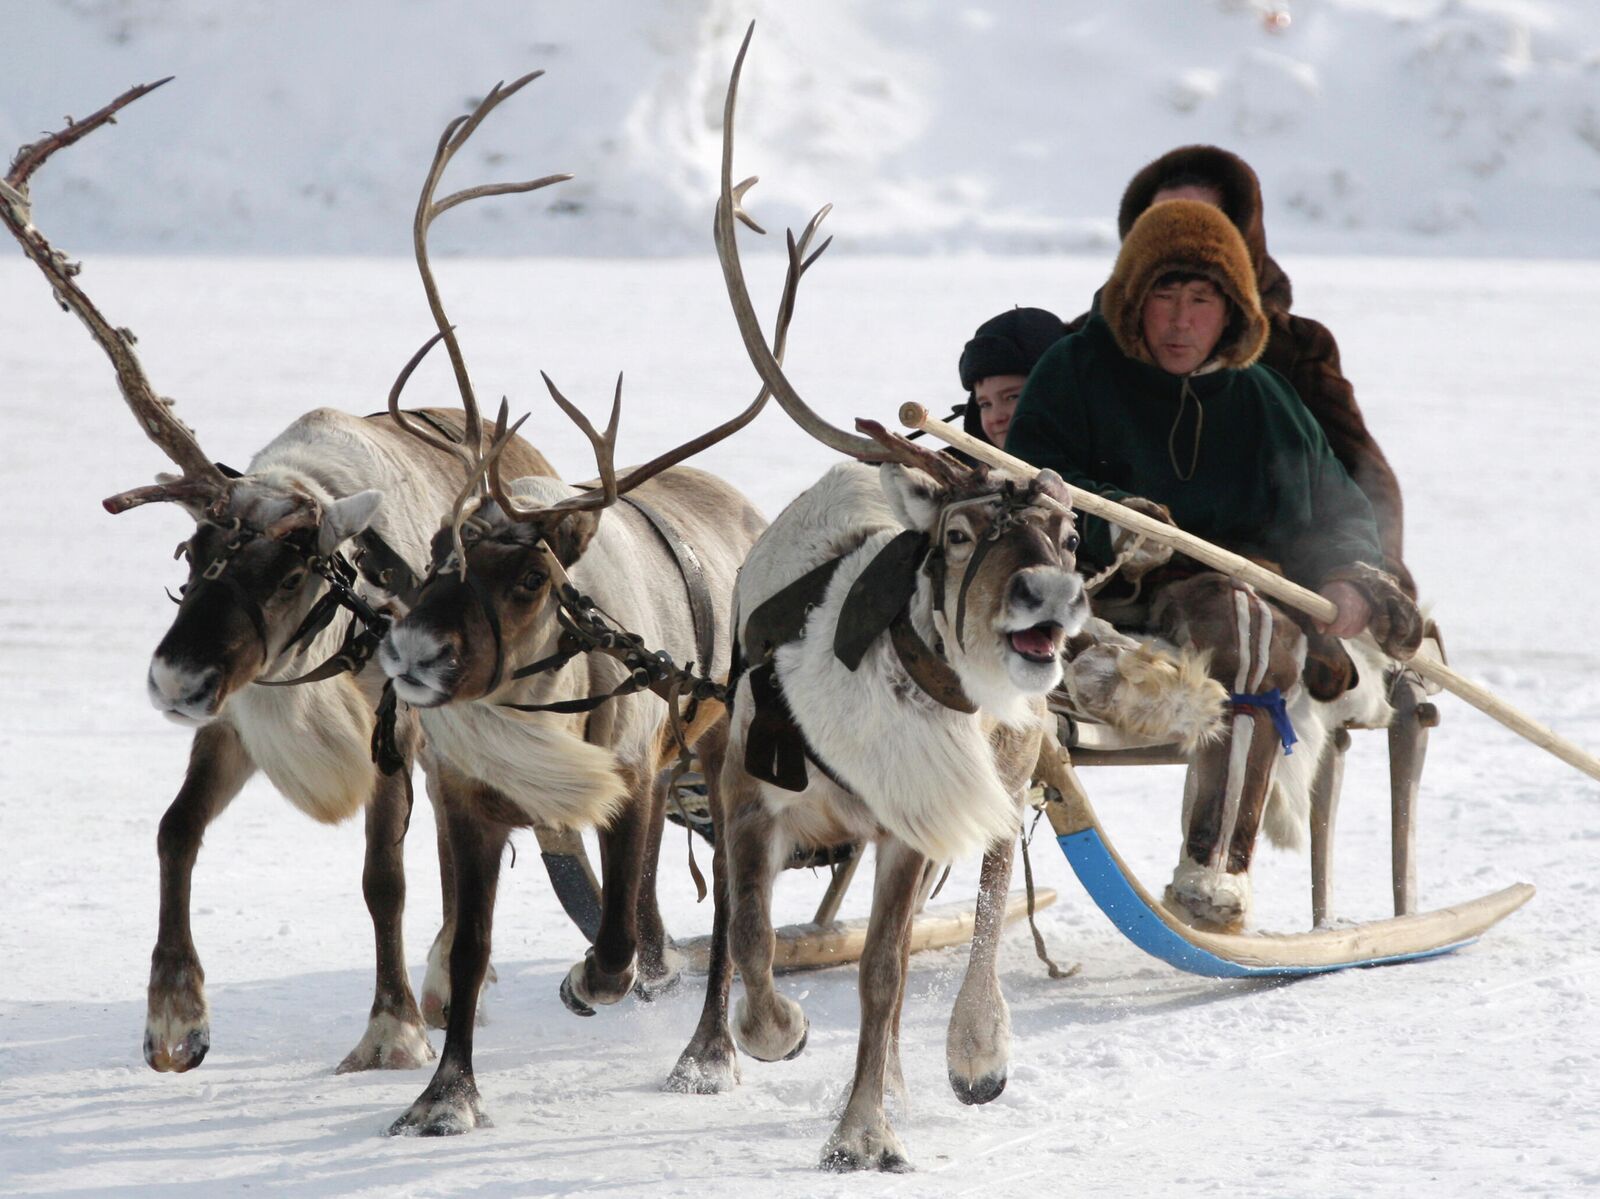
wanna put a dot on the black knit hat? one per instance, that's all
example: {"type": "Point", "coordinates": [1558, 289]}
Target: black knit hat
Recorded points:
{"type": "Point", "coordinates": [1009, 344]}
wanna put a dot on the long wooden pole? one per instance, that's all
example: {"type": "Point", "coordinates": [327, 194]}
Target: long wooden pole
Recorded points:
{"type": "Point", "coordinates": [915, 416]}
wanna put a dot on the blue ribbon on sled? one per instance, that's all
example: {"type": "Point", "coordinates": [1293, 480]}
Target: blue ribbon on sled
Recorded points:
{"type": "Point", "coordinates": [1272, 703]}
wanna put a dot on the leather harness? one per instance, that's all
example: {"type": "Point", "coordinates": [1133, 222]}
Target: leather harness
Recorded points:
{"type": "Point", "coordinates": [776, 748]}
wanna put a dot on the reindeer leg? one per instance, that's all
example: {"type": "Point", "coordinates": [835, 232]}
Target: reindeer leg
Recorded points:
{"type": "Point", "coordinates": [606, 974]}
{"type": "Point", "coordinates": [450, 1104]}
{"type": "Point", "coordinates": [436, 982]}
{"type": "Point", "coordinates": [864, 1139]}
{"type": "Point", "coordinates": [660, 963]}
{"type": "Point", "coordinates": [709, 1064]}
{"type": "Point", "coordinates": [978, 1045]}
{"type": "Point", "coordinates": [395, 1038]}
{"type": "Point", "coordinates": [177, 1031]}
{"type": "Point", "coordinates": [768, 1026]}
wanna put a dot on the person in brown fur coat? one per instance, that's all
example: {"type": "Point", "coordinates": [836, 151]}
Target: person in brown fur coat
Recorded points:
{"type": "Point", "coordinates": [1299, 348]}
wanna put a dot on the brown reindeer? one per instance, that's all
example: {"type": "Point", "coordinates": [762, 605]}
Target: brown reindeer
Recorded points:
{"type": "Point", "coordinates": [544, 653]}
{"type": "Point", "coordinates": [898, 630]}
{"type": "Point", "coordinates": [272, 600]}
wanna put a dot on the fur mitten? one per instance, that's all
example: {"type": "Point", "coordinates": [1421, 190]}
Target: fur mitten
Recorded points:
{"type": "Point", "coordinates": [1147, 555]}
{"type": "Point", "coordinates": [1396, 624]}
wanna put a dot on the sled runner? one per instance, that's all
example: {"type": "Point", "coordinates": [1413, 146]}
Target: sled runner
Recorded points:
{"type": "Point", "coordinates": [1409, 935]}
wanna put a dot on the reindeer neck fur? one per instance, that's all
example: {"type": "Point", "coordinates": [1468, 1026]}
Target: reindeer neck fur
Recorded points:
{"type": "Point", "coordinates": [543, 762]}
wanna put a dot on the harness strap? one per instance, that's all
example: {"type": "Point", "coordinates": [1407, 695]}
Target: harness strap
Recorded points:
{"type": "Point", "coordinates": [701, 610]}
{"type": "Point", "coordinates": [878, 596]}
{"type": "Point", "coordinates": [382, 566]}
{"type": "Point", "coordinates": [927, 669]}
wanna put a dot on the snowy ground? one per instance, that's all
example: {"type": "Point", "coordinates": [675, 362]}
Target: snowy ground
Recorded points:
{"type": "Point", "coordinates": [1475, 1074]}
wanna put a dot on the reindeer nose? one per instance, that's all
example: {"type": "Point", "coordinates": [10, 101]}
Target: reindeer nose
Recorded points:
{"type": "Point", "coordinates": [179, 689]}
{"type": "Point", "coordinates": [1023, 594]}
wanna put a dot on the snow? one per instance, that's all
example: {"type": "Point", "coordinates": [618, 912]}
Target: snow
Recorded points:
{"type": "Point", "coordinates": [1438, 127]}
{"type": "Point", "coordinates": [250, 222]}
{"type": "Point", "coordinates": [1476, 1073]}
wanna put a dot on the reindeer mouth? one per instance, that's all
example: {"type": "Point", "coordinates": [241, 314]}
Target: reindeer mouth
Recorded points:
{"type": "Point", "coordinates": [1041, 643]}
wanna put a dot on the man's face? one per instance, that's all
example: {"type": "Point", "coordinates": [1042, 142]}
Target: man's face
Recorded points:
{"type": "Point", "coordinates": [996, 398]}
{"type": "Point", "coordinates": [1182, 324]}
{"type": "Point", "coordinates": [1190, 191]}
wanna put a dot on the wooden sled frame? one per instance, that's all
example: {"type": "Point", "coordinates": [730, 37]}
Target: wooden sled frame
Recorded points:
{"type": "Point", "coordinates": [1145, 921]}
{"type": "Point", "coordinates": [822, 941]}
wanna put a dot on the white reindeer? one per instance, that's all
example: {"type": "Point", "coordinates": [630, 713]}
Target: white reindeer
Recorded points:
{"type": "Point", "coordinates": [898, 631]}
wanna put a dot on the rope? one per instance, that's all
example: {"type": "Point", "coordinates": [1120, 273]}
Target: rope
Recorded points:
{"type": "Point", "coordinates": [1038, 937]}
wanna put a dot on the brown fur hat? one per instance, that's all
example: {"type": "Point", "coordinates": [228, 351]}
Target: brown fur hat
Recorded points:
{"type": "Point", "coordinates": [1188, 236]}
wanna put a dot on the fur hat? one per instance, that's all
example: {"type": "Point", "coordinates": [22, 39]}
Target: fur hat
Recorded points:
{"type": "Point", "coordinates": [1194, 238]}
{"type": "Point", "coordinates": [1240, 190]}
{"type": "Point", "coordinates": [1009, 344]}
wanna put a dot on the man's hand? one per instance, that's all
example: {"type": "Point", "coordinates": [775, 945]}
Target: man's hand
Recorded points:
{"type": "Point", "coordinates": [1149, 554]}
{"type": "Point", "coordinates": [1386, 609]}
{"type": "Point", "coordinates": [1354, 610]}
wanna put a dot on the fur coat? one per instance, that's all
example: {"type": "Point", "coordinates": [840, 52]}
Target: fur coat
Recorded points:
{"type": "Point", "coordinates": [1300, 349]}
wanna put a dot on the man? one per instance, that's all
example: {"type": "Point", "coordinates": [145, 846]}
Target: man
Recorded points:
{"type": "Point", "coordinates": [1300, 349]}
{"type": "Point", "coordinates": [1156, 402]}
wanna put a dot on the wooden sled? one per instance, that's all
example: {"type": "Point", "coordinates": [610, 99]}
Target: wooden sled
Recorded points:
{"type": "Point", "coordinates": [1145, 921]}
{"type": "Point", "coordinates": [822, 941]}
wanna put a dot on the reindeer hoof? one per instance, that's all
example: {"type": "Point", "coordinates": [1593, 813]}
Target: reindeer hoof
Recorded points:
{"type": "Point", "coordinates": [658, 975]}
{"type": "Point", "coordinates": [390, 1043]}
{"type": "Point", "coordinates": [977, 1090]}
{"type": "Point", "coordinates": [570, 997]}
{"type": "Point", "coordinates": [709, 1072]}
{"type": "Point", "coordinates": [779, 1037]}
{"type": "Point", "coordinates": [446, 1113]}
{"type": "Point", "coordinates": [173, 1054]}
{"type": "Point", "coordinates": [843, 1155]}
{"type": "Point", "coordinates": [587, 986]}
{"type": "Point", "coordinates": [805, 1035]}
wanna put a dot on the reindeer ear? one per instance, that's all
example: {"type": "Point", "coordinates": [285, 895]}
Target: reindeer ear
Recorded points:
{"type": "Point", "coordinates": [347, 517]}
{"type": "Point", "coordinates": [572, 535]}
{"type": "Point", "coordinates": [914, 496]}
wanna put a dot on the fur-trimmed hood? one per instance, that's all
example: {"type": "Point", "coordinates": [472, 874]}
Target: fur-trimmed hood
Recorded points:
{"type": "Point", "coordinates": [1185, 235]}
{"type": "Point", "coordinates": [1241, 200]}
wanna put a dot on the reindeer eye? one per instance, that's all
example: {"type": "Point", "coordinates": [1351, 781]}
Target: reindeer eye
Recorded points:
{"type": "Point", "coordinates": [292, 580]}
{"type": "Point", "coordinates": [1071, 543]}
{"type": "Point", "coordinates": [531, 581]}
{"type": "Point", "coordinates": [957, 537]}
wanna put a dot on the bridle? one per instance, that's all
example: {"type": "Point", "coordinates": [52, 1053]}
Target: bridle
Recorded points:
{"type": "Point", "coordinates": [1014, 504]}
{"type": "Point", "coordinates": [369, 625]}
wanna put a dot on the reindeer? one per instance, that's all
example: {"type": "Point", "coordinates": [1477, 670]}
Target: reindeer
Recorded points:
{"type": "Point", "coordinates": [272, 601]}
{"type": "Point", "coordinates": [898, 630]}
{"type": "Point", "coordinates": [578, 585]}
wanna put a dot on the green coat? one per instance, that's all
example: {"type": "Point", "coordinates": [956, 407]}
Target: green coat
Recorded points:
{"type": "Point", "coordinates": [1264, 482]}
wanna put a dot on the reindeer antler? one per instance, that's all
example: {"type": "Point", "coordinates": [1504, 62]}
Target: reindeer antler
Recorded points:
{"type": "Point", "coordinates": [471, 451]}
{"type": "Point", "coordinates": [202, 480]}
{"type": "Point", "coordinates": [801, 258]}
{"type": "Point", "coordinates": [767, 361]}
{"type": "Point", "coordinates": [946, 470]}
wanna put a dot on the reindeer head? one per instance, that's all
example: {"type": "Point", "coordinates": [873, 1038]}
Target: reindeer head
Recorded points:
{"type": "Point", "coordinates": [252, 586]}
{"type": "Point", "coordinates": [251, 583]}
{"type": "Point", "coordinates": [453, 644]}
{"type": "Point", "coordinates": [1002, 588]}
